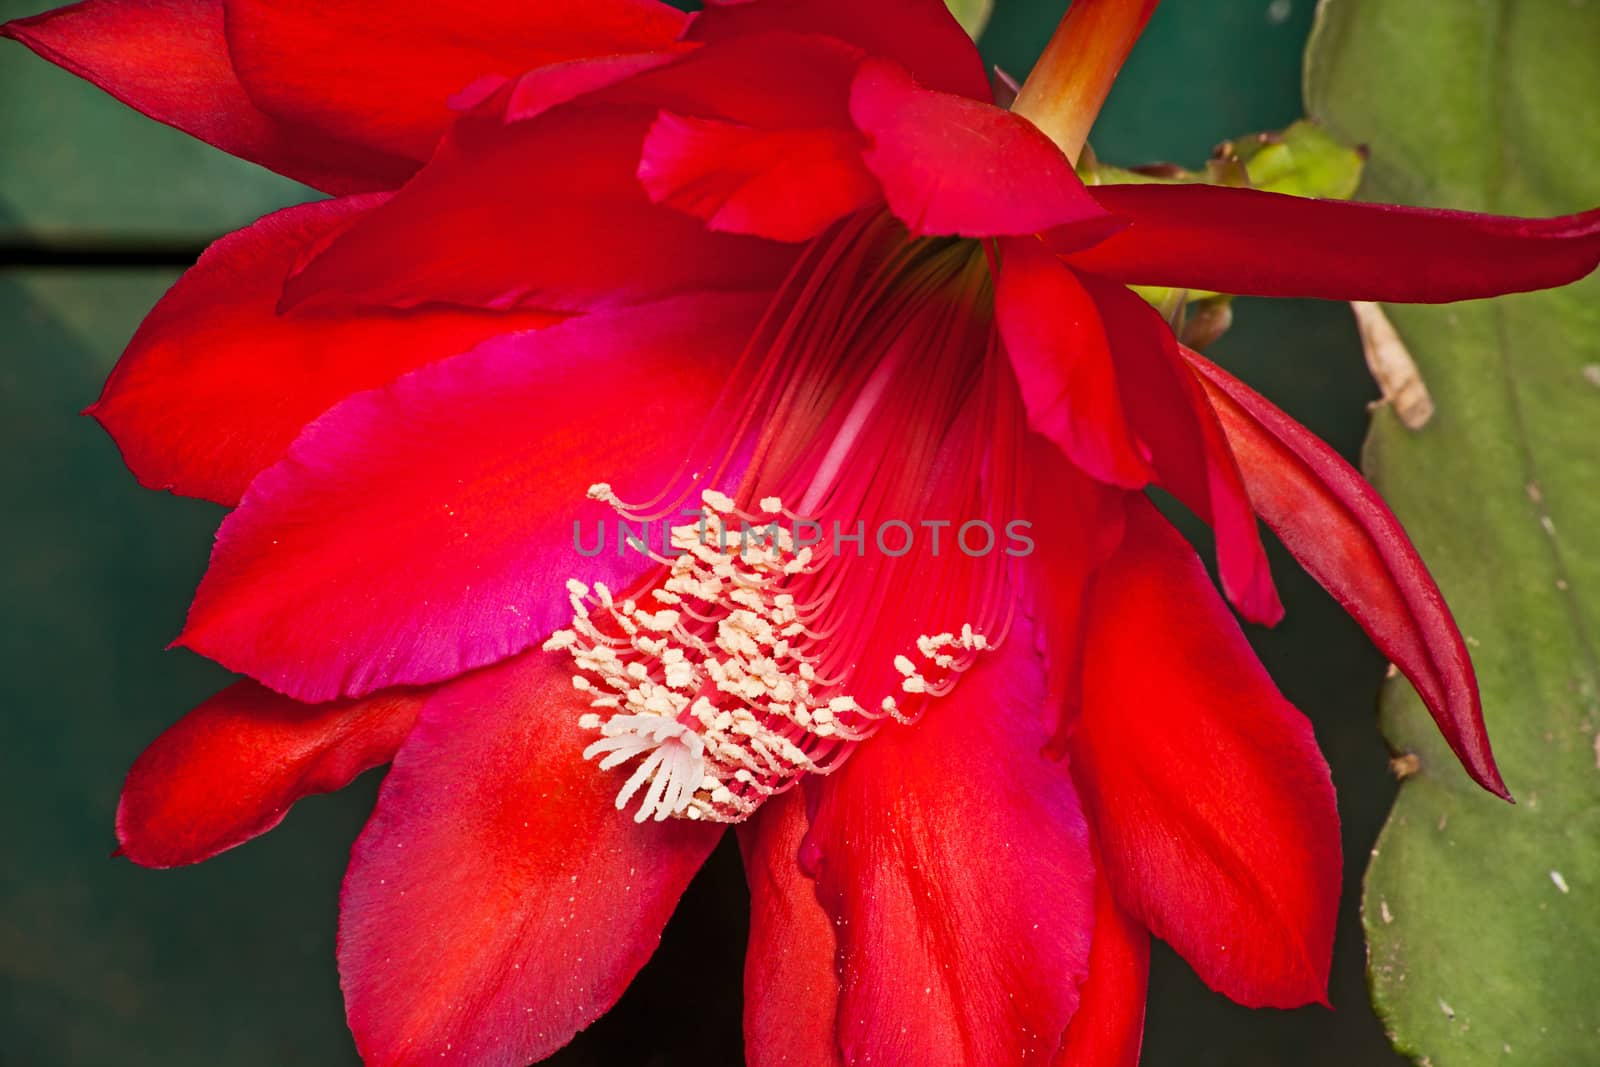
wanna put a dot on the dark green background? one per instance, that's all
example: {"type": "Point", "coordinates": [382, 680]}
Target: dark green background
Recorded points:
{"type": "Point", "coordinates": [232, 962]}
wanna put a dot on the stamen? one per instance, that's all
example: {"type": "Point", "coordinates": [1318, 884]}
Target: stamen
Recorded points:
{"type": "Point", "coordinates": [844, 441]}
{"type": "Point", "coordinates": [715, 684]}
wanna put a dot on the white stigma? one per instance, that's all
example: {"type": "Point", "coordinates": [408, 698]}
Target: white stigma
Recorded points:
{"type": "Point", "coordinates": [675, 766]}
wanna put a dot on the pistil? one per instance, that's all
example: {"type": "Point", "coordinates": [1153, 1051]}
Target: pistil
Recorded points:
{"type": "Point", "coordinates": [1068, 85]}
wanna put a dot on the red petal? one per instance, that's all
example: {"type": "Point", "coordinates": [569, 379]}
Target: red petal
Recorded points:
{"type": "Point", "coordinates": [548, 212]}
{"type": "Point", "coordinates": [756, 135]}
{"type": "Point", "coordinates": [1346, 537]}
{"type": "Point", "coordinates": [537, 91]}
{"type": "Point", "coordinates": [1212, 805]}
{"type": "Point", "coordinates": [380, 72]}
{"type": "Point", "coordinates": [427, 528]}
{"type": "Point", "coordinates": [788, 185]}
{"type": "Point", "coordinates": [919, 35]}
{"type": "Point", "coordinates": [169, 59]}
{"type": "Point", "coordinates": [1064, 364]}
{"type": "Point", "coordinates": [1188, 448]}
{"type": "Point", "coordinates": [777, 80]}
{"type": "Point", "coordinates": [231, 768]}
{"type": "Point", "coordinates": [954, 860]}
{"type": "Point", "coordinates": [215, 385]}
{"type": "Point", "coordinates": [1250, 242]}
{"type": "Point", "coordinates": [791, 993]}
{"type": "Point", "coordinates": [1077, 524]}
{"type": "Point", "coordinates": [497, 902]}
{"type": "Point", "coordinates": [951, 165]}
{"type": "Point", "coordinates": [1108, 1028]}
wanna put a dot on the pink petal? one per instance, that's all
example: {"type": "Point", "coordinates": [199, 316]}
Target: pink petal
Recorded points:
{"type": "Point", "coordinates": [1211, 803]}
{"type": "Point", "coordinates": [498, 902]}
{"type": "Point", "coordinates": [1250, 242]}
{"type": "Point", "coordinates": [1346, 537]}
{"type": "Point", "coordinates": [429, 527]}
{"type": "Point", "coordinates": [546, 212]}
{"type": "Point", "coordinates": [1064, 365]}
{"type": "Point", "coordinates": [1188, 448]}
{"type": "Point", "coordinates": [919, 35]}
{"type": "Point", "coordinates": [788, 185]}
{"type": "Point", "coordinates": [231, 768]}
{"type": "Point", "coordinates": [954, 860]}
{"type": "Point", "coordinates": [1108, 1029]}
{"type": "Point", "coordinates": [379, 73]}
{"type": "Point", "coordinates": [169, 59]}
{"type": "Point", "coordinates": [791, 993]}
{"type": "Point", "coordinates": [215, 384]}
{"type": "Point", "coordinates": [953, 165]}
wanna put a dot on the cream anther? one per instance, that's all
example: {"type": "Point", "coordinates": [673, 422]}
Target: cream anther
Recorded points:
{"type": "Point", "coordinates": [711, 683]}
{"type": "Point", "coordinates": [602, 491]}
{"type": "Point", "coordinates": [716, 501]}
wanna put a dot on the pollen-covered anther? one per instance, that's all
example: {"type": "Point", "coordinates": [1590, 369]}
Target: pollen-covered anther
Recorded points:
{"type": "Point", "coordinates": [946, 656]}
{"type": "Point", "coordinates": [712, 683]}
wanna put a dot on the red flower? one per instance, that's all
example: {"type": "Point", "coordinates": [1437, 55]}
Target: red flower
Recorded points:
{"type": "Point", "coordinates": [786, 251]}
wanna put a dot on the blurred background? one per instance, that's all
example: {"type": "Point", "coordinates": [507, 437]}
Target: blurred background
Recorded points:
{"type": "Point", "coordinates": [232, 962]}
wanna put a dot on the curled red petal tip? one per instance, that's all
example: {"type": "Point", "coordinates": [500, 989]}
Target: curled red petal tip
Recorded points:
{"type": "Point", "coordinates": [1346, 537]}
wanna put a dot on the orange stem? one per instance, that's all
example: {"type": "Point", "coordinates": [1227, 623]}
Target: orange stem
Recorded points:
{"type": "Point", "coordinates": [1068, 85]}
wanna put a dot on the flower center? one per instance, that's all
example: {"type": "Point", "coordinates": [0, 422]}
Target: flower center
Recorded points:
{"type": "Point", "coordinates": [875, 401]}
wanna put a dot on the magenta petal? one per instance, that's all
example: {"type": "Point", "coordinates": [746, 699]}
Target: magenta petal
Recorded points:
{"type": "Point", "coordinates": [429, 527]}
{"type": "Point", "coordinates": [498, 902]}
{"type": "Point", "coordinates": [952, 165]}
{"type": "Point", "coordinates": [954, 859]}
{"type": "Point", "coordinates": [1346, 537]}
